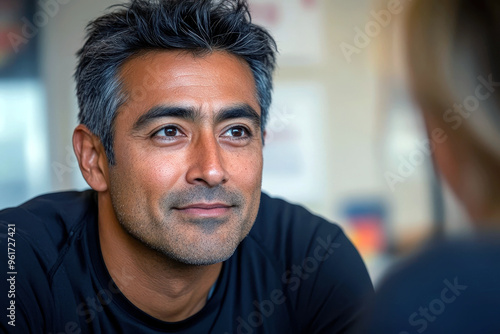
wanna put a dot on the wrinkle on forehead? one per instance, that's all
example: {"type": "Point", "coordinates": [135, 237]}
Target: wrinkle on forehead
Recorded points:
{"type": "Point", "coordinates": [185, 73]}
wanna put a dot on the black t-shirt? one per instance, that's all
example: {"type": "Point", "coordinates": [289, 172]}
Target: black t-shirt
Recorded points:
{"type": "Point", "coordinates": [293, 273]}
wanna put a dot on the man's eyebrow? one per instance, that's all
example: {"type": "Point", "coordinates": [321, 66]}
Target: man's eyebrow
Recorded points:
{"type": "Point", "coordinates": [165, 111]}
{"type": "Point", "coordinates": [238, 111]}
{"type": "Point", "coordinates": [192, 114]}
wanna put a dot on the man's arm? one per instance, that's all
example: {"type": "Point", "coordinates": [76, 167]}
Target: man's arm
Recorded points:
{"type": "Point", "coordinates": [20, 275]}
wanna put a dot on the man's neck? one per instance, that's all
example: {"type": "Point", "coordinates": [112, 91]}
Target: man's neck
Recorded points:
{"type": "Point", "coordinates": [161, 287]}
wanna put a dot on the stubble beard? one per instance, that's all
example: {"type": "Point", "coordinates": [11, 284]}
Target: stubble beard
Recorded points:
{"type": "Point", "coordinates": [165, 233]}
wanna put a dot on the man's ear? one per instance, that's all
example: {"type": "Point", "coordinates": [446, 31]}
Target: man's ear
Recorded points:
{"type": "Point", "coordinates": [91, 158]}
{"type": "Point", "coordinates": [264, 137]}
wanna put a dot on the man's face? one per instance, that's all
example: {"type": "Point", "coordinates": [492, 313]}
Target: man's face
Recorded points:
{"type": "Point", "coordinates": [188, 152]}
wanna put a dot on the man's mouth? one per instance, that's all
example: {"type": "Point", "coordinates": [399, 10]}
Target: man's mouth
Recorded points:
{"type": "Point", "coordinates": [205, 209]}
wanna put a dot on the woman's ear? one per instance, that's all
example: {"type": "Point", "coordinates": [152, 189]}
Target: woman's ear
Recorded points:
{"type": "Point", "coordinates": [91, 158]}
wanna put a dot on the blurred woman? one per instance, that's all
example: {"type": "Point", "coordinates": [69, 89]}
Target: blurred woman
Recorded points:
{"type": "Point", "coordinates": [452, 57]}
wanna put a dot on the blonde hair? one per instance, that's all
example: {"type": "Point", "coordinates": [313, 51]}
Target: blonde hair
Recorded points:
{"type": "Point", "coordinates": [453, 47]}
{"type": "Point", "coordinates": [452, 61]}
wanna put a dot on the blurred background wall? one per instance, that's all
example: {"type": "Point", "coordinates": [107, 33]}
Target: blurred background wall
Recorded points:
{"type": "Point", "coordinates": [343, 139]}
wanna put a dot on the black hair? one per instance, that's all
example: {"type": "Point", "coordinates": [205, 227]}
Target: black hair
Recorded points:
{"type": "Point", "coordinates": [197, 26]}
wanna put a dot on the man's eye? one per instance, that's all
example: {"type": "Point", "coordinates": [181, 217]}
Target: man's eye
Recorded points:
{"type": "Point", "coordinates": [169, 131]}
{"type": "Point", "coordinates": [237, 132]}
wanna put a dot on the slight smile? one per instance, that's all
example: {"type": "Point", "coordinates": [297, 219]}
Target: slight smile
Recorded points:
{"type": "Point", "coordinates": [205, 209]}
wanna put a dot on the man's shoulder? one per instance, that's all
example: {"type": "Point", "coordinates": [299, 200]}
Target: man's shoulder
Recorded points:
{"type": "Point", "coordinates": [282, 227]}
{"type": "Point", "coordinates": [281, 215]}
{"type": "Point", "coordinates": [39, 234]}
{"type": "Point", "coordinates": [311, 261]}
{"type": "Point", "coordinates": [53, 216]}
{"type": "Point", "coordinates": [66, 205]}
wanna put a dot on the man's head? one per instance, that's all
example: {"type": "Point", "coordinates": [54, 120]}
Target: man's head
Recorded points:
{"type": "Point", "coordinates": [177, 92]}
{"type": "Point", "coordinates": [196, 26]}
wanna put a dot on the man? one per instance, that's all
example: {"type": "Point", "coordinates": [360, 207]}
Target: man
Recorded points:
{"type": "Point", "coordinates": [176, 236]}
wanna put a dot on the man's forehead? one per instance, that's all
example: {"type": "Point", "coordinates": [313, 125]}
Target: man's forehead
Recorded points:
{"type": "Point", "coordinates": [173, 64]}
{"type": "Point", "coordinates": [203, 86]}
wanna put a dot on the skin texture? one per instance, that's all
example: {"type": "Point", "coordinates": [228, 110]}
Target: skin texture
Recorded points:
{"type": "Point", "coordinates": [185, 188]}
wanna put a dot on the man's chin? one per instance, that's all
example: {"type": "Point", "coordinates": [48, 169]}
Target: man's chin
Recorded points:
{"type": "Point", "coordinates": [201, 260]}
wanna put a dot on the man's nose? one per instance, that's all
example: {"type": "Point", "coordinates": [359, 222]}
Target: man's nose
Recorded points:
{"type": "Point", "coordinates": [206, 163]}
